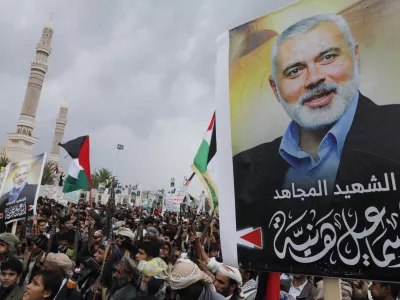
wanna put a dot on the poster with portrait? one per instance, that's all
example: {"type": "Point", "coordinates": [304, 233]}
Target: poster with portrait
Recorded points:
{"type": "Point", "coordinates": [20, 188]}
{"type": "Point", "coordinates": [308, 112]}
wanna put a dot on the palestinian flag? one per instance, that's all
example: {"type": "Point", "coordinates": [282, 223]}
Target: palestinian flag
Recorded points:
{"type": "Point", "coordinates": [79, 170]}
{"type": "Point", "coordinates": [204, 162]}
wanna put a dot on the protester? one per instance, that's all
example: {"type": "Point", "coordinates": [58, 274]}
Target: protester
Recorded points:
{"type": "Point", "coordinates": [124, 280]}
{"type": "Point", "coordinates": [39, 246]}
{"type": "Point", "coordinates": [8, 246]}
{"type": "Point", "coordinates": [124, 239]}
{"type": "Point", "coordinates": [189, 282]}
{"type": "Point", "coordinates": [44, 286]}
{"type": "Point", "coordinates": [228, 281]}
{"type": "Point", "coordinates": [10, 272]}
{"type": "Point", "coordinates": [249, 287]}
{"type": "Point", "coordinates": [300, 286]}
{"type": "Point", "coordinates": [59, 263]}
{"type": "Point", "coordinates": [384, 290]}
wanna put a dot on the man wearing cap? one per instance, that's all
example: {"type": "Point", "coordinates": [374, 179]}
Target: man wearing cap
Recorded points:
{"type": "Point", "coordinates": [124, 240]}
{"type": "Point", "coordinates": [124, 279]}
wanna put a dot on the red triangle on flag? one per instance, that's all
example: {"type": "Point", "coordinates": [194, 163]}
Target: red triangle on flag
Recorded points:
{"type": "Point", "coordinates": [254, 237]}
{"type": "Point", "coordinates": [30, 207]}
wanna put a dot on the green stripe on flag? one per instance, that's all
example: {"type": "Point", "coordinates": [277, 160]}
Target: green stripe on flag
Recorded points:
{"type": "Point", "coordinates": [200, 161]}
{"type": "Point", "coordinates": [72, 184]}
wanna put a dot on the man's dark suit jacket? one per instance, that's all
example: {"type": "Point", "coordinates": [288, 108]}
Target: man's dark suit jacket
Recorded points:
{"type": "Point", "coordinates": [372, 147]}
{"type": "Point", "coordinates": [29, 192]}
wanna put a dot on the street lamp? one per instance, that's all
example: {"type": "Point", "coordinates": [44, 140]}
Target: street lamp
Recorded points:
{"type": "Point", "coordinates": [119, 148]}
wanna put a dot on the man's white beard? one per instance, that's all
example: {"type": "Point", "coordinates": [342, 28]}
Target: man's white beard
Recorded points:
{"type": "Point", "coordinates": [18, 186]}
{"type": "Point", "coordinates": [316, 118]}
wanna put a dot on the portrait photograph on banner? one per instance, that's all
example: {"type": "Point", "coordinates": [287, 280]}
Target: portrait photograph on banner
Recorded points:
{"type": "Point", "coordinates": [21, 187]}
{"type": "Point", "coordinates": [308, 110]}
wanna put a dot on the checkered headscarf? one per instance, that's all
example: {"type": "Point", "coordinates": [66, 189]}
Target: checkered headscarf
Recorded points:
{"type": "Point", "coordinates": [185, 273]}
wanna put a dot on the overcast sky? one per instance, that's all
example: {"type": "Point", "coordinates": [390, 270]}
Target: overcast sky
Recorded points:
{"type": "Point", "coordinates": [136, 72]}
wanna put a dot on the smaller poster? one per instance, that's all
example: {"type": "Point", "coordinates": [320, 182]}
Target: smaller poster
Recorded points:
{"type": "Point", "coordinates": [73, 197]}
{"type": "Point", "coordinates": [104, 197]}
{"type": "Point", "coordinates": [20, 188]}
{"type": "Point", "coordinates": [51, 191]}
{"type": "Point", "coordinates": [173, 201]}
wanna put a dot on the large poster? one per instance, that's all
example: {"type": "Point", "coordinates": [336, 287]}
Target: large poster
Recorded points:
{"type": "Point", "coordinates": [309, 111]}
{"type": "Point", "coordinates": [20, 188]}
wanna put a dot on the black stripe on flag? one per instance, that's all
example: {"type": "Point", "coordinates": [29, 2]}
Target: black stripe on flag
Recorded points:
{"type": "Point", "coordinates": [213, 144]}
{"type": "Point", "coordinates": [73, 147]}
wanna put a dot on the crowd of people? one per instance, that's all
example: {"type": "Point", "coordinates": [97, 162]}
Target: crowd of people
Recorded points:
{"type": "Point", "coordinates": [122, 253]}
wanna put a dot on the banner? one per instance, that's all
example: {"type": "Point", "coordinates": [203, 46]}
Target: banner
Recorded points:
{"type": "Point", "coordinates": [308, 124]}
{"type": "Point", "coordinates": [73, 197]}
{"type": "Point", "coordinates": [173, 201]}
{"type": "Point", "coordinates": [20, 188]}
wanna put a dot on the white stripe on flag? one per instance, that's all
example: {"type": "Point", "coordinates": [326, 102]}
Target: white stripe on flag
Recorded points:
{"type": "Point", "coordinates": [74, 168]}
{"type": "Point", "coordinates": [207, 137]}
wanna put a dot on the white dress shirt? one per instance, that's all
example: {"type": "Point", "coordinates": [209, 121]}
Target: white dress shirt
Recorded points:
{"type": "Point", "coordinates": [296, 291]}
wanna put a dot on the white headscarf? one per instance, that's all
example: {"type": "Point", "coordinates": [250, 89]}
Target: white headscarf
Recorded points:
{"type": "Point", "coordinates": [230, 272]}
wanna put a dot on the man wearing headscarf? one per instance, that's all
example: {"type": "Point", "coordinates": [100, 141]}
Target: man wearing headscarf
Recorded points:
{"type": "Point", "coordinates": [8, 246]}
{"type": "Point", "coordinates": [190, 283]}
{"type": "Point", "coordinates": [123, 281]}
{"type": "Point", "coordinates": [228, 281]}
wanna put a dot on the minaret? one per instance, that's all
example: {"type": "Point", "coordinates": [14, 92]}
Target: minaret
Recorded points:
{"type": "Point", "coordinates": [20, 144]}
{"type": "Point", "coordinates": [59, 133]}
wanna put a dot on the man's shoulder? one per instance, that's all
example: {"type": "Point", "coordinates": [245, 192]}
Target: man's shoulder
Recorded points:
{"type": "Point", "coordinates": [216, 296]}
{"type": "Point", "coordinates": [311, 289]}
{"type": "Point", "coordinates": [29, 188]}
{"type": "Point", "coordinates": [269, 149]}
{"type": "Point", "coordinates": [16, 293]}
{"type": "Point", "coordinates": [388, 112]}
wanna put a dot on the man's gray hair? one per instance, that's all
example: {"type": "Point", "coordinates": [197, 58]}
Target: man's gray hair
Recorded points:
{"type": "Point", "coordinates": [24, 166]}
{"type": "Point", "coordinates": [306, 25]}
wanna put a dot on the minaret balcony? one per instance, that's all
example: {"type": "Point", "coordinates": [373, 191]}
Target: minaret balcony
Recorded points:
{"type": "Point", "coordinates": [39, 65]}
{"type": "Point", "coordinates": [43, 47]}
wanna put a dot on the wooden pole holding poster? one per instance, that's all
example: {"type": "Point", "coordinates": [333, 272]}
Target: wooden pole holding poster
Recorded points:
{"type": "Point", "coordinates": [332, 289]}
{"type": "Point", "coordinates": [14, 227]}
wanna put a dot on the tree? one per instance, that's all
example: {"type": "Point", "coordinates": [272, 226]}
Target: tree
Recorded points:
{"type": "Point", "coordinates": [49, 173]}
{"type": "Point", "coordinates": [100, 176]}
{"type": "Point", "coordinates": [4, 160]}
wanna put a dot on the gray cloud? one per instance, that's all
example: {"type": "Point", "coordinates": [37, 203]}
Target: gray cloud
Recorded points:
{"type": "Point", "coordinates": [140, 73]}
